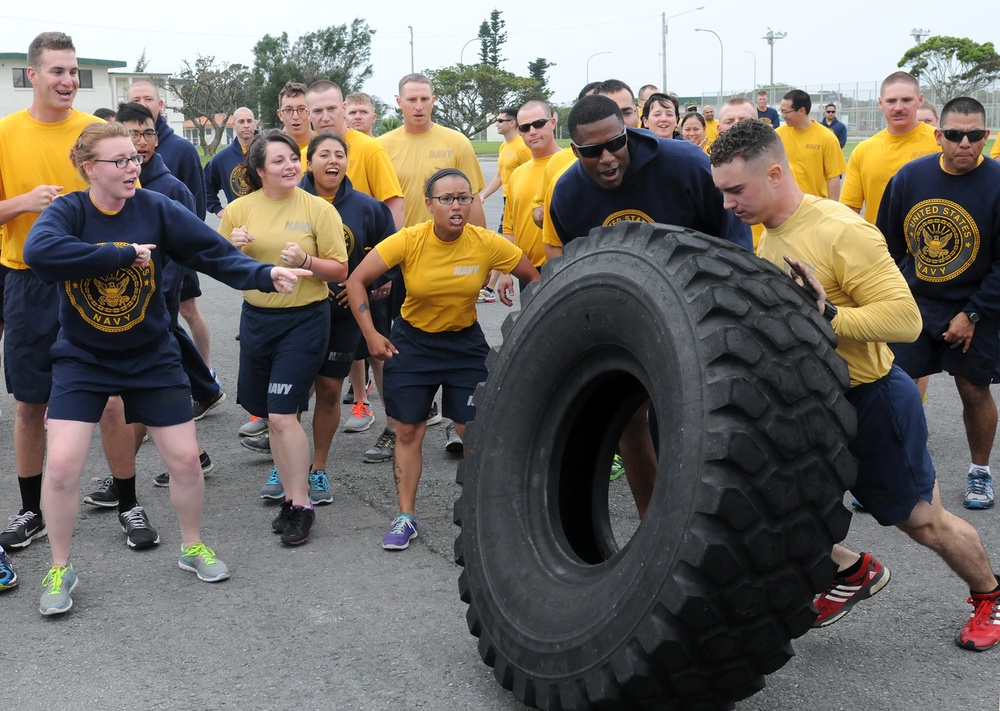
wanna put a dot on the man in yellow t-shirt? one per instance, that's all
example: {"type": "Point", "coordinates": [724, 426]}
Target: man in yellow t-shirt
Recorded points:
{"type": "Point", "coordinates": [711, 124]}
{"type": "Point", "coordinates": [875, 160]}
{"type": "Point", "coordinates": [813, 151]}
{"type": "Point", "coordinates": [294, 115]}
{"type": "Point", "coordinates": [511, 154]}
{"type": "Point", "coordinates": [859, 289]}
{"type": "Point", "coordinates": [34, 170]}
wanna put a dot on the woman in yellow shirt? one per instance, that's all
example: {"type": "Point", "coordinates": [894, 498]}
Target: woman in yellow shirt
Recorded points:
{"type": "Point", "coordinates": [436, 341]}
{"type": "Point", "coordinates": [283, 342]}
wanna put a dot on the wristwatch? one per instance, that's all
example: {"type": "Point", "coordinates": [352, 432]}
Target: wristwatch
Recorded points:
{"type": "Point", "coordinates": [830, 311]}
{"type": "Point", "coordinates": [973, 316]}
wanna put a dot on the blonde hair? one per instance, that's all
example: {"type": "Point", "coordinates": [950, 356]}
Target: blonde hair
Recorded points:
{"type": "Point", "coordinates": [85, 148]}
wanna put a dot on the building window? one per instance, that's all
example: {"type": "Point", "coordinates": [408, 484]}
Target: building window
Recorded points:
{"type": "Point", "coordinates": [86, 79]}
{"type": "Point", "coordinates": [21, 78]}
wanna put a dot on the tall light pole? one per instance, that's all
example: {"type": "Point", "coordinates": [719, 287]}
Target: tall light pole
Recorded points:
{"type": "Point", "coordinates": [918, 35]}
{"type": "Point", "coordinates": [412, 64]}
{"type": "Point", "coordinates": [462, 53]}
{"type": "Point", "coordinates": [721, 58]}
{"type": "Point", "coordinates": [746, 51]}
{"type": "Point", "coordinates": [588, 63]}
{"type": "Point", "coordinates": [666, 19]}
{"type": "Point", "coordinates": [771, 37]}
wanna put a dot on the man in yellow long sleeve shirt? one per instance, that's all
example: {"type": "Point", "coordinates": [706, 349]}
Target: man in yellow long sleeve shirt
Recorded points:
{"type": "Point", "coordinates": [845, 260]}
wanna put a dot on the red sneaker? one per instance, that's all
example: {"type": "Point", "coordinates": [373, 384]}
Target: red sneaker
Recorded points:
{"type": "Point", "coordinates": [845, 593]}
{"type": "Point", "coordinates": [982, 631]}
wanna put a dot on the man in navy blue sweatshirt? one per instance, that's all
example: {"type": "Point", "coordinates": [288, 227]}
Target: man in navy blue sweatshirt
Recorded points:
{"type": "Point", "coordinates": [833, 123]}
{"type": "Point", "coordinates": [221, 173]}
{"type": "Point", "coordinates": [941, 219]}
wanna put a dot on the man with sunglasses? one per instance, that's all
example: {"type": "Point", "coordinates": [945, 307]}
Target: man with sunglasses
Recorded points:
{"type": "Point", "coordinates": [513, 152]}
{"type": "Point", "coordinates": [833, 123]}
{"type": "Point", "coordinates": [941, 219]}
{"type": "Point", "coordinates": [875, 160]}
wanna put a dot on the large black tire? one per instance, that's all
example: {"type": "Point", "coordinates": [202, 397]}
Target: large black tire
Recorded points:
{"type": "Point", "coordinates": [705, 597]}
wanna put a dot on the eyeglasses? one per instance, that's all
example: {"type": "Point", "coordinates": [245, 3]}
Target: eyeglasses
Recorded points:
{"type": "Point", "coordinates": [956, 136]}
{"type": "Point", "coordinates": [289, 111]}
{"type": "Point", "coordinates": [450, 199]}
{"type": "Point", "coordinates": [148, 136]}
{"type": "Point", "coordinates": [538, 124]}
{"type": "Point", "coordinates": [628, 111]}
{"type": "Point", "coordinates": [121, 163]}
{"type": "Point", "coordinates": [595, 150]}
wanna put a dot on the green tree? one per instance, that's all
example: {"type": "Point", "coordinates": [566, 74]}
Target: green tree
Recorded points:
{"type": "Point", "coordinates": [536, 70]}
{"type": "Point", "coordinates": [340, 53]}
{"type": "Point", "coordinates": [491, 39]}
{"type": "Point", "coordinates": [469, 96]}
{"type": "Point", "coordinates": [141, 63]}
{"type": "Point", "coordinates": [210, 92]}
{"type": "Point", "coordinates": [952, 66]}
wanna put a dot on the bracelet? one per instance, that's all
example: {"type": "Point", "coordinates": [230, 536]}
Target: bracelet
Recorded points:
{"type": "Point", "coordinates": [303, 262]}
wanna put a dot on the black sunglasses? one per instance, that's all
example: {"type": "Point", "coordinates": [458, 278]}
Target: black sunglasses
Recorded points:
{"type": "Point", "coordinates": [538, 123]}
{"type": "Point", "coordinates": [595, 150]}
{"type": "Point", "coordinates": [956, 136]}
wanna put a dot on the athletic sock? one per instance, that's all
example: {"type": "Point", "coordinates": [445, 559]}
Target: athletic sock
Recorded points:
{"type": "Point", "coordinates": [853, 570]}
{"type": "Point", "coordinates": [979, 467]}
{"type": "Point", "coordinates": [31, 493]}
{"type": "Point", "coordinates": [126, 494]}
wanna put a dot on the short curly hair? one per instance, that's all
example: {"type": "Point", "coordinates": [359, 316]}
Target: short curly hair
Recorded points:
{"type": "Point", "coordinates": [748, 140]}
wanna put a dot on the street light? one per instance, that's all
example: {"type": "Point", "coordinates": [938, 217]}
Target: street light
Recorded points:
{"type": "Point", "coordinates": [918, 35]}
{"type": "Point", "coordinates": [462, 53]}
{"type": "Point", "coordinates": [412, 65]}
{"type": "Point", "coordinates": [771, 38]}
{"type": "Point", "coordinates": [588, 63]}
{"type": "Point", "coordinates": [665, 29]}
{"type": "Point", "coordinates": [721, 58]}
{"type": "Point", "coordinates": [746, 51]}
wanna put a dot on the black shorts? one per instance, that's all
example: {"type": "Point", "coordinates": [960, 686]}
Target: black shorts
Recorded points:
{"type": "Point", "coordinates": [31, 316]}
{"type": "Point", "coordinates": [281, 351]}
{"type": "Point", "coordinates": [452, 360]}
{"type": "Point", "coordinates": [342, 349]}
{"type": "Point", "coordinates": [3, 276]}
{"type": "Point", "coordinates": [930, 353]}
{"type": "Point", "coordinates": [190, 285]}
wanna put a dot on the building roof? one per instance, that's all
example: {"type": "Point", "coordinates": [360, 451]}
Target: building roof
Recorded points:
{"type": "Point", "coordinates": [79, 60]}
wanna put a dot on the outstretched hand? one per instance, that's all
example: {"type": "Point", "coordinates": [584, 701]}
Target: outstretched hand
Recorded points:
{"type": "Point", "coordinates": [284, 279]}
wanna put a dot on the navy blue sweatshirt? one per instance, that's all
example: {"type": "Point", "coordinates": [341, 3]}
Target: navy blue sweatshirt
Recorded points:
{"type": "Point", "coordinates": [221, 174]}
{"type": "Point", "coordinates": [839, 130]}
{"type": "Point", "coordinates": [108, 307]}
{"type": "Point", "coordinates": [944, 232]}
{"type": "Point", "coordinates": [669, 182]}
{"type": "Point", "coordinates": [183, 160]}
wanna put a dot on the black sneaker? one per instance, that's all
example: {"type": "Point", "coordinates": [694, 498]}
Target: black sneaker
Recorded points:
{"type": "Point", "coordinates": [206, 469]}
{"type": "Point", "coordinates": [383, 449]}
{"type": "Point", "coordinates": [281, 521]}
{"type": "Point", "coordinates": [260, 444]}
{"type": "Point", "coordinates": [203, 408]}
{"type": "Point", "coordinates": [106, 496]}
{"type": "Point", "coordinates": [297, 531]}
{"type": "Point", "coordinates": [22, 530]}
{"type": "Point", "coordinates": [138, 533]}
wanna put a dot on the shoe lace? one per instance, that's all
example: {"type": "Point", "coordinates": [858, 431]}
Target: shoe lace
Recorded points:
{"type": "Point", "coordinates": [360, 410]}
{"type": "Point", "coordinates": [135, 517]}
{"type": "Point", "coordinates": [53, 579]}
{"type": "Point", "coordinates": [399, 525]}
{"type": "Point", "coordinates": [273, 479]}
{"type": "Point", "coordinates": [978, 484]}
{"type": "Point", "coordinates": [319, 481]}
{"type": "Point", "coordinates": [18, 521]}
{"type": "Point", "coordinates": [106, 484]}
{"type": "Point", "coordinates": [200, 550]}
{"type": "Point", "coordinates": [384, 440]}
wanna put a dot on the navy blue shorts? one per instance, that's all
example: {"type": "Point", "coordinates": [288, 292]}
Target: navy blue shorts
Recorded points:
{"type": "Point", "coordinates": [31, 317]}
{"type": "Point", "coordinates": [894, 466]}
{"type": "Point", "coordinates": [342, 349]}
{"type": "Point", "coordinates": [190, 285]}
{"type": "Point", "coordinates": [3, 277]}
{"type": "Point", "coordinates": [930, 353]}
{"type": "Point", "coordinates": [281, 351]}
{"type": "Point", "coordinates": [452, 360]}
{"type": "Point", "coordinates": [83, 381]}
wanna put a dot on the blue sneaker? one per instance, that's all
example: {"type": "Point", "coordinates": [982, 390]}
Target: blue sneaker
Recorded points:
{"type": "Point", "coordinates": [8, 578]}
{"type": "Point", "coordinates": [273, 489]}
{"type": "Point", "coordinates": [319, 488]}
{"type": "Point", "coordinates": [401, 532]}
{"type": "Point", "coordinates": [59, 582]}
{"type": "Point", "coordinates": [980, 492]}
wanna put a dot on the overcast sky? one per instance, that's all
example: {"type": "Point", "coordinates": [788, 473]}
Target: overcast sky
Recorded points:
{"type": "Point", "coordinates": [826, 42]}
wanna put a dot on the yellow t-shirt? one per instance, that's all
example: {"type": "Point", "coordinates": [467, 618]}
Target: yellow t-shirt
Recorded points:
{"type": "Point", "coordinates": [875, 160]}
{"type": "Point", "coordinates": [711, 132]}
{"type": "Point", "coordinates": [510, 156]}
{"type": "Point", "coordinates": [853, 265]}
{"type": "Point", "coordinates": [559, 164]}
{"type": "Point", "coordinates": [814, 155]}
{"type": "Point", "coordinates": [523, 186]}
{"type": "Point", "coordinates": [305, 219]}
{"type": "Point", "coordinates": [995, 151]}
{"type": "Point", "coordinates": [34, 153]}
{"type": "Point", "coordinates": [443, 278]}
{"type": "Point", "coordinates": [369, 167]}
{"type": "Point", "coordinates": [417, 156]}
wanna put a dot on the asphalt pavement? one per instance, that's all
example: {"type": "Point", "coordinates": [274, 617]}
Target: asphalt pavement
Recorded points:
{"type": "Point", "coordinates": [341, 624]}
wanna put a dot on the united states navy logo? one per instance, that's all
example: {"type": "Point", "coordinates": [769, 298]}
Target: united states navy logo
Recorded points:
{"type": "Point", "coordinates": [348, 240]}
{"type": "Point", "coordinates": [238, 182]}
{"type": "Point", "coordinates": [630, 215]}
{"type": "Point", "coordinates": [116, 302]}
{"type": "Point", "coordinates": [943, 239]}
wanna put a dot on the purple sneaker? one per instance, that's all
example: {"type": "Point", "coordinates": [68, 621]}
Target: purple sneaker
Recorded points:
{"type": "Point", "coordinates": [401, 532]}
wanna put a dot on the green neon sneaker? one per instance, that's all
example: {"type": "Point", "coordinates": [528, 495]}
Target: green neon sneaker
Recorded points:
{"type": "Point", "coordinates": [201, 560]}
{"type": "Point", "coordinates": [617, 467]}
{"type": "Point", "coordinates": [59, 582]}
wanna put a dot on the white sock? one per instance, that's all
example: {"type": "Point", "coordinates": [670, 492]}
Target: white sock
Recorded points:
{"type": "Point", "coordinates": [979, 467]}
